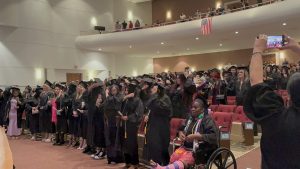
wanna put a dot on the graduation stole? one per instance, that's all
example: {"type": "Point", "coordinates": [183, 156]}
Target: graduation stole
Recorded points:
{"type": "Point", "coordinates": [195, 129]}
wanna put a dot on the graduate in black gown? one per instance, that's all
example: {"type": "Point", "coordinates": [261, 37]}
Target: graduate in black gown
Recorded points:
{"type": "Point", "coordinates": [158, 126]}
{"type": "Point", "coordinates": [32, 109]}
{"type": "Point", "coordinates": [112, 108]}
{"type": "Point", "coordinates": [99, 138]}
{"type": "Point", "coordinates": [2, 108]}
{"type": "Point", "coordinates": [45, 111]}
{"type": "Point", "coordinates": [94, 91]}
{"type": "Point", "coordinates": [61, 114]}
{"type": "Point", "coordinates": [132, 110]}
{"type": "Point", "coordinates": [69, 100]}
{"type": "Point", "coordinates": [80, 109]}
{"type": "Point", "coordinates": [280, 146]}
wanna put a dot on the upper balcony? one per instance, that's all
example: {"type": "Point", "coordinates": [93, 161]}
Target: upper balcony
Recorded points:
{"type": "Point", "coordinates": [231, 31]}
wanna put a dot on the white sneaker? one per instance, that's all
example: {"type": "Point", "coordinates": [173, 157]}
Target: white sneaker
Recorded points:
{"type": "Point", "coordinates": [32, 138]}
{"type": "Point", "coordinates": [48, 140]}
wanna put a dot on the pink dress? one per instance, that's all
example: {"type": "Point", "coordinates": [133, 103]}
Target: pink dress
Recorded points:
{"type": "Point", "coordinates": [13, 129]}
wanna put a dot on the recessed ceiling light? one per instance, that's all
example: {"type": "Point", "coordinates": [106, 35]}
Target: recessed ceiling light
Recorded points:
{"type": "Point", "coordinates": [162, 43]}
{"type": "Point", "coordinates": [221, 44]}
{"type": "Point", "coordinates": [157, 52]}
{"type": "Point", "coordinates": [236, 32]}
{"type": "Point", "coordinates": [284, 24]}
{"type": "Point", "coordinates": [130, 46]}
{"type": "Point", "coordinates": [197, 38]}
{"type": "Point", "coordinates": [99, 49]}
{"type": "Point", "coordinates": [187, 48]}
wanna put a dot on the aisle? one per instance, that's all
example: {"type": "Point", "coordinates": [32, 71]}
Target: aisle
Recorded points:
{"type": "Point", "coordinates": [37, 155]}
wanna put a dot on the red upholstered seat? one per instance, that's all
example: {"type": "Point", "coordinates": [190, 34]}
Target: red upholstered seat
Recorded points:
{"type": "Point", "coordinates": [239, 115]}
{"type": "Point", "coordinates": [213, 107]}
{"type": "Point", "coordinates": [284, 93]}
{"type": "Point", "coordinates": [286, 100]}
{"type": "Point", "coordinates": [231, 97]}
{"type": "Point", "coordinates": [224, 120]}
{"type": "Point", "coordinates": [175, 124]}
{"type": "Point", "coordinates": [231, 102]}
{"type": "Point", "coordinates": [226, 108]}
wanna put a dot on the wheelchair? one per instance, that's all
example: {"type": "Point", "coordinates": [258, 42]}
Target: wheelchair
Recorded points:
{"type": "Point", "coordinates": [220, 158]}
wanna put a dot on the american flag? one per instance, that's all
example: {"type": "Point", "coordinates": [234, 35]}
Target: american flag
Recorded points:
{"type": "Point", "coordinates": [206, 26]}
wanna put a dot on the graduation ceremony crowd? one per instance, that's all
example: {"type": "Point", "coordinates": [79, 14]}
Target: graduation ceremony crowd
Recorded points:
{"type": "Point", "coordinates": [102, 118]}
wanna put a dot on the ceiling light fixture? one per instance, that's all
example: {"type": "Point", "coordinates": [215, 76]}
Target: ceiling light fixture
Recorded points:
{"type": "Point", "coordinates": [130, 46]}
{"type": "Point", "coordinates": [162, 43]}
{"type": "Point", "coordinates": [284, 24]}
{"type": "Point", "coordinates": [157, 52]}
{"type": "Point", "coordinates": [221, 44]}
{"type": "Point", "coordinates": [197, 38]}
{"type": "Point", "coordinates": [100, 49]}
{"type": "Point", "coordinates": [236, 32]}
{"type": "Point", "coordinates": [187, 48]}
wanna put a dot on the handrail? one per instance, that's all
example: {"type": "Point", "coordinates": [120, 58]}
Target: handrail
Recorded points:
{"type": "Point", "coordinates": [203, 15]}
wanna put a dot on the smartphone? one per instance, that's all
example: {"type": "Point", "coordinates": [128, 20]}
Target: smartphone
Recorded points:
{"type": "Point", "coordinates": [276, 41]}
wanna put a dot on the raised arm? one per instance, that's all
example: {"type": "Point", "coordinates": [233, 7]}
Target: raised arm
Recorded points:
{"type": "Point", "coordinates": [256, 64]}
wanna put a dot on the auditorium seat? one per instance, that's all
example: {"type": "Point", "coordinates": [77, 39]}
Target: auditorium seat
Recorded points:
{"type": "Point", "coordinates": [239, 115]}
{"type": "Point", "coordinates": [175, 124]}
{"type": "Point", "coordinates": [213, 107]}
{"type": "Point", "coordinates": [231, 100]}
{"type": "Point", "coordinates": [224, 121]}
{"type": "Point", "coordinates": [226, 108]}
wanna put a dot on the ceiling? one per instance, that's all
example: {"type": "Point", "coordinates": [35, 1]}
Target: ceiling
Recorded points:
{"type": "Point", "coordinates": [180, 38]}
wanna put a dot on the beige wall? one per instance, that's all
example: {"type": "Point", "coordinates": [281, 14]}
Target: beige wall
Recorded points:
{"type": "Point", "coordinates": [188, 7]}
{"type": "Point", "coordinates": [202, 61]}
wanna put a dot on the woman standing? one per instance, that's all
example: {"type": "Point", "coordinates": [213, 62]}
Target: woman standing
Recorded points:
{"type": "Point", "coordinates": [68, 101]}
{"type": "Point", "coordinates": [112, 106]}
{"type": "Point", "coordinates": [284, 77]}
{"type": "Point", "coordinates": [13, 131]}
{"type": "Point", "coordinates": [79, 112]}
{"type": "Point", "coordinates": [99, 138]}
{"type": "Point", "coordinates": [242, 86]}
{"type": "Point", "coordinates": [158, 137]}
{"type": "Point", "coordinates": [132, 112]}
{"type": "Point", "coordinates": [61, 123]}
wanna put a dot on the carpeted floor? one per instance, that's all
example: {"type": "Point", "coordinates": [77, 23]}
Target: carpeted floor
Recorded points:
{"type": "Point", "coordinates": [36, 155]}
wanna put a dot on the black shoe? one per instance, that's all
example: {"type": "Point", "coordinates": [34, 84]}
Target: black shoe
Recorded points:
{"type": "Point", "coordinates": [87, 150]}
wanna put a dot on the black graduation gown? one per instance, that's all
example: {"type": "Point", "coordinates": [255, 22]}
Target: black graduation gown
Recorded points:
{"type": "Point", "coordinates": [2, 111]}
{"type": "Point", "coordinates": [20, 112]}
{"type": "Point", "coordinates": [61, 126]}
{"type": "Point", "coordinates": [241, 91]}
{"type": "Point", "coordinates": [158, 130]}
{"type": "Point", "coordinates": [134, 109]}
{"type": "Point", "coordinates": [113, 104]}
{"type": "Point", "coordinates": [99, 138]}
{"type": "Point", "coordinates": [33, 118]}
{"type": "Point", "coordinates": [179, 108]}
{"type": "Point", "coordinates": [45, 112]}
{"type": "Point", "coordinates": [92, 110]}
{"type": "Point", "coordinates": [68, 101]}
{"type": "Point", "coordinates": [280, 146]}
{"type": "Point", "coordinates": [80, 122]}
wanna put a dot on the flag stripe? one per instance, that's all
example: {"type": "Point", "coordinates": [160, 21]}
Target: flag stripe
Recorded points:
{"type": "Point", "coordinates": [206, 26]}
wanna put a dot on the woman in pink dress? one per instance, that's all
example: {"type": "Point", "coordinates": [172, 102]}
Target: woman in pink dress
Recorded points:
{"type": "Point", "coordinates": [13, 131]}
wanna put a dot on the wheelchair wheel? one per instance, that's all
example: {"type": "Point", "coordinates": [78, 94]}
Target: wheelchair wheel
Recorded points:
{"type": "Point", "coordinates": [222, 158]}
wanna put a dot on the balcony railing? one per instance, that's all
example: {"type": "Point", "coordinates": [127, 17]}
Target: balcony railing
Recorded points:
{"type": "Point", "coordinates": [200, 16]}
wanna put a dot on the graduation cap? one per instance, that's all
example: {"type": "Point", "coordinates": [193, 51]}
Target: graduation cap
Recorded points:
{"type": "Point", "coordinates": [205, 103]}
{"type": "Point", "coordinates": [15, 88]}
{"type": "Point", "coordinates": [83, 84]}
{"type": "Point", "coordinates": [48, 83]}
{"type": "Point", "coordinates": [243, 68]}
{"type": "Point", "coordinates": [149, 81]}
{"type": "Point", "coordinates": [1, 90]}
{"type": "Point", "coordinates": [232, 67]}
{"type": "Point", "coordinates": [59, 85]}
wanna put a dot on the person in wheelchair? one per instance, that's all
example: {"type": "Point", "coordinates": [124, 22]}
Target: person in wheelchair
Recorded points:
{"type": "Point", "coordinates": [199, 137]}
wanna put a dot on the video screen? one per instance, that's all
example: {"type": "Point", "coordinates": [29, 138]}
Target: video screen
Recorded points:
{"type": "Point", "coordinates": [275, 42]}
